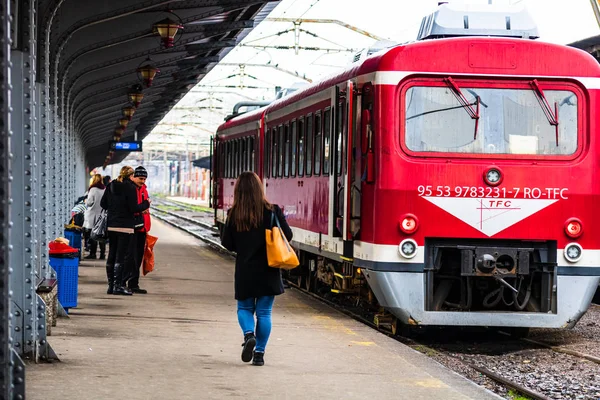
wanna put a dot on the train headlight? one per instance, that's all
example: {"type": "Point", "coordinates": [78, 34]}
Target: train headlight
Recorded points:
{"type": "Point", "coordinates": [573, 252]}
{"type": "Point", "coordinates": [573, 228]}
{"type": "Point", "coordinates": [493, 176]}
{"type": "Point", "coordinates": [409, 224]}
{"type": "Point", "coordinates": [408, 248]}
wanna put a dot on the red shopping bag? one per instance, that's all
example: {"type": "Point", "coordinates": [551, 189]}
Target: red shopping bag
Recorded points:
{"type": "Point", "coordinates": [148, 262]}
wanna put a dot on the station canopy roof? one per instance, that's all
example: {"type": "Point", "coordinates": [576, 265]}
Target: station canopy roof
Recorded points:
{"type": "Point", "coordinates": [591, 45]}
{"type": "Point", "coordinates": [101, 48]}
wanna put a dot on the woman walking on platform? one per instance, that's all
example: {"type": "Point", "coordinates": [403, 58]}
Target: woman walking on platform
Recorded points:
{"type": "Point", "coordinates": [121, 201]}
{"type": "Point", "coordinates": [256, 284]}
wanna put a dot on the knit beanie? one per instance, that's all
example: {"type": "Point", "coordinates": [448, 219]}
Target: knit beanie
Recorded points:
{"type": "Point", "coordinates": [140, 172]}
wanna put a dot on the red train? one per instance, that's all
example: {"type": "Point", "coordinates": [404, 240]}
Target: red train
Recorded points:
{"type": "Point", "coordinates": [455, 175]}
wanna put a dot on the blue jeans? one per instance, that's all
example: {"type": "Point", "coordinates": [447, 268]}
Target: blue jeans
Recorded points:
{"type": "Point", "coordinates": [262, 306]}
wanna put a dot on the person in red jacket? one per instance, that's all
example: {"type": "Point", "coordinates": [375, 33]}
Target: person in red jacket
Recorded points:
{"type": "Point", "coordinates": [135, 255]}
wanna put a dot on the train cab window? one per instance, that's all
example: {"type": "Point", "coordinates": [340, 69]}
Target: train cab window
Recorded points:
{"type": "Point", "coordinates": [275, 152]}
{"type": "Point", "coordinates": [301, 147]}
{"type": "Point", "coordinates": [267, 159]}
{"type": "Point", "coordinates": [294, 149]}
{"type": "Point", "coordinates": [326, 139]}
{"type": "Point", "coordinates": [318, 144]}
{"type": "Point", "coordinates": [281, 151]}
{"type": "Point", "coordinates": [512, 121]}
{"type": "Point", "coordinates": [286, 155]}
{"type": "Point", "coordinates": [309, 144]}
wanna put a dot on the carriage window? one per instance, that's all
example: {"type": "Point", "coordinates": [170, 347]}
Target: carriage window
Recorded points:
{"type": "Point", "coordinates": [326, 137]}
{"type": "Point", "coordinates": [228, 172]}
{"type": "Point", "coordinates": [241, 153]}
{"type": "Point", "coordinates": [339, 136]}
{"type": "Point", "coordinates": [239, 158]}
{"type": "Point", "coordinates": [318, 144]}
{"type": "Point", "coordinates": [222, 162]}
{"type": "Point", "coordinates": [309, 144]}
{"type": "Point", "coordinates": [267, 159]}
{"type": "Point", "coordinates": [252, 165]}
{"type": "Point", "coordinates": [294, 149]}
{"type": "Point", "coordinates": [511, 121]}
{"type": "Point", "coordinates": [275, 153]}
{"type": "Point", "coordinates": [286, 161]}
{"type": "Point", "coordinates": [301, 147]}
{"type": "Point", "coordinates": [281, 151]}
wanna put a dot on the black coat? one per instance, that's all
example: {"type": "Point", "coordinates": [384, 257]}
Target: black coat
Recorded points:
{"type": "Point", "coordinates": [253, 276]}
{"type": "Point", "coordinates": [121, 201]}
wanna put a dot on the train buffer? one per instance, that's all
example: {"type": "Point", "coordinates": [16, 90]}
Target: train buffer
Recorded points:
{"type": "Point", "coordinates": [182, 341]}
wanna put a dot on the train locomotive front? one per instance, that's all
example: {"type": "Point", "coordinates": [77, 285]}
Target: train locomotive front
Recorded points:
{"type": "Point", "coordinates": [484, 207]}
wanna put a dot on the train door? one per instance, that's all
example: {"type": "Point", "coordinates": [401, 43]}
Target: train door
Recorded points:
{"type": "Point", "coordinates": [346, 192]}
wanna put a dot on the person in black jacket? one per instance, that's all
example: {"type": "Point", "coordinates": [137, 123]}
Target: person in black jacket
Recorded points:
{"type": "Point", "coordinates": [121, 202]}
{"type": "Point", "coordinates": [256, 284]}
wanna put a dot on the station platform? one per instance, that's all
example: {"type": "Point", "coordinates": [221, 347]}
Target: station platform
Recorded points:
{"type": "Point", "coordinates": [182, 341]}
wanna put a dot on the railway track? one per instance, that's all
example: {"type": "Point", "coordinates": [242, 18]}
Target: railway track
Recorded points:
{"type": "Point", "coordinates": [209, 234]}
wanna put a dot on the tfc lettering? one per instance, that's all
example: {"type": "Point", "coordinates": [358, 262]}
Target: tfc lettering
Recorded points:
{"type": "Point", "coordinates": [499, 203]}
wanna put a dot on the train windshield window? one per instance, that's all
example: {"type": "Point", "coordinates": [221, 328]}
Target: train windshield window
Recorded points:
{"type": "Point", "coordinates": [301, 147]}
{"type": "Point", "coordinates": [294, 148]}
{"type": "Point", "coordinates": [511, 121]}
{"type": "Point", "coordinates": [326, 138]}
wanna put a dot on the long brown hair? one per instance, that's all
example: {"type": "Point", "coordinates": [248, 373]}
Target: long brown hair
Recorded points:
{"type": "Point", "coordinates": [96, 179]}
{"type": "Point", "coordinates": [248, 202]}
{"type": "Point", "coordinates": [125, 173]}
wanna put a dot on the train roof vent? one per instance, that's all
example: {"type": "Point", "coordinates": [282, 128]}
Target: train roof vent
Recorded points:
{"type": "Point", "coordinates": [375, 48]}
{"type": "Point", "coordinates": [248, 106]}
{"type": "Point", "coordinates": [452, 20]}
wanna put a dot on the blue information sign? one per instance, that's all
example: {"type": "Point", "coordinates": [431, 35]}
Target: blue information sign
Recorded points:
{"type": "Point", "coordinates": [126, 146]}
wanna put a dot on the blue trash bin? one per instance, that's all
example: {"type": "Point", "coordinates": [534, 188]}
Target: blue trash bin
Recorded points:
{"type": "Point", "coordinates": [74, 237]}
{"type": "Point", "coordinates": [66, 265]}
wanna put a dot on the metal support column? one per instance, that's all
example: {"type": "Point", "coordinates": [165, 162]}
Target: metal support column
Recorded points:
{"type": "Point", "coordinates": [6, 349]}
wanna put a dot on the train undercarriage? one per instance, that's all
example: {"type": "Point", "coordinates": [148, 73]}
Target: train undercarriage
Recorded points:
{"type": "Point", "coordinates": [459, 276]}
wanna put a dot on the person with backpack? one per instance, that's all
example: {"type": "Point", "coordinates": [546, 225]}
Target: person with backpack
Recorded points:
{"type": "Point", "coordinates": [256, 284]}
{"type": "Point", "coordinates": [92, 213]}
{"type": "Point", "coordinates": [121, 202]}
